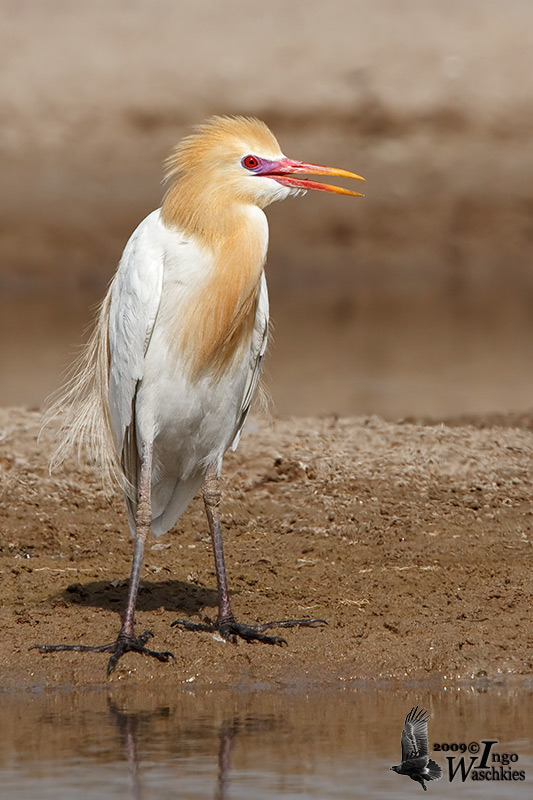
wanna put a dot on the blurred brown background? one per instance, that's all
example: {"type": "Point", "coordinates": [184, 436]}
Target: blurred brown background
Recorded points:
{"type": "Point", "coordinates": [417, 299]}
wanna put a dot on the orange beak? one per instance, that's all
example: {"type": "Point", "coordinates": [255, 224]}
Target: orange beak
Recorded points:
{"type": "Point", "coordinates": [282, 171]}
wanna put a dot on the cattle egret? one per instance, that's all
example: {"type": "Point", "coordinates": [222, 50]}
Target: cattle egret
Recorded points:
{"type": "Point", "coordinates": [167, 379]}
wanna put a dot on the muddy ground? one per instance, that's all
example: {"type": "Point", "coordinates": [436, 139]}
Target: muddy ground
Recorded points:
{"type": "Point", "coordinates": [413, 540]}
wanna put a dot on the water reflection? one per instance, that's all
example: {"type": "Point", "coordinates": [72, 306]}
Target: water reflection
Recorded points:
{"type": "Point", "coordinates": [128, 727]}
{"type": "Point", "coordinates": [227, 734]}
{"type": "Point", "coordinates": [227, 745]}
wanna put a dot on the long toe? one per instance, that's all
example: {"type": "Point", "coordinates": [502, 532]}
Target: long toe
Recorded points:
{"type": "Point", "coordinates": [76, 648]}
{"type": "Point", "coordinates": [292, 623]}
{"type": "Point", "coordinates": [187, 625]}
{"type": "Point", "coordinates": [232, 630]}
{"type": "Point", "coordinates": [123, 644]}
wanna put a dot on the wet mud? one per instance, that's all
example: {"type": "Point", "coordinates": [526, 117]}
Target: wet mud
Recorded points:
{"type": "Point", "coordinates": [413, 540]}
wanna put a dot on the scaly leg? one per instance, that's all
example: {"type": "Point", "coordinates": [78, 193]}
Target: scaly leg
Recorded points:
{"type": "Point", "coordinates": [226, 624]}
{"type": "Point", "coordinates": [126, 640]}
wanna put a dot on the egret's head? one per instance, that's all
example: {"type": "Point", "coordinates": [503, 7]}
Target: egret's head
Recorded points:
{"type": "Point", "coordinates": [239, 159]}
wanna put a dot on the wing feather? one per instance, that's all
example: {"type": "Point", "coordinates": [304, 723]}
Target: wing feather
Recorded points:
{"type": "Point", "coordinates": [135, 299]}
{"type": "Point", "coordinates": [257, 356]}
{"type": "Point", "coordinates": [97, 402]}
{"type": "Point", "coordinates": [415, 734]}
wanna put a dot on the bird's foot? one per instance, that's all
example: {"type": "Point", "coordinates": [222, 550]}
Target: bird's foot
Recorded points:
{"type": "Point", "coordinates": [232, 630]}
{"type": "Point", "coordinates": [124, 644]}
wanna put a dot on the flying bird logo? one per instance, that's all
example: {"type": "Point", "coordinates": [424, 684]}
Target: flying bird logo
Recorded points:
{"type": "Point", "coordinates": [415, 760]}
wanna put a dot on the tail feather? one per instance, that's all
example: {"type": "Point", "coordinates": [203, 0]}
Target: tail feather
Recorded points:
{"type": "Point", "coordinates": [434, 771]}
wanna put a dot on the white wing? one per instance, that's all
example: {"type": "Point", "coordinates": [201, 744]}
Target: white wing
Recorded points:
{"type": "Point", "coordinates": [257, 356]}
{"type": "Point", "coordinates": [135, 298]}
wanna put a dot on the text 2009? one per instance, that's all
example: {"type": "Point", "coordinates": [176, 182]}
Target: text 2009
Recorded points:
{"type": "Point", "coordinates": [454, 747]}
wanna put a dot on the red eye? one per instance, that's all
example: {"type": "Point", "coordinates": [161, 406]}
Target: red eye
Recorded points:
{"type": "Point", "coordinates": [250, 162]}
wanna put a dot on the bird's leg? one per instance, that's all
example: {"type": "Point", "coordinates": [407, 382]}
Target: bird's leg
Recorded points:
{"type": "Point", "coordinates": [126, 640]}
{"type": "Point", "coordinates": [212, 497]}
{"type": "Point", "coordinates": [226, 624]}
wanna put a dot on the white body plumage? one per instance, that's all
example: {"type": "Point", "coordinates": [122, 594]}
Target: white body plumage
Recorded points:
{"type": "Point", "coordinates": [190, 419]}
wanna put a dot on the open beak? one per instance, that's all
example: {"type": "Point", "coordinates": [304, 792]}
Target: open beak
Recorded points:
{"type": "Point", "coordinates": [283, 171]}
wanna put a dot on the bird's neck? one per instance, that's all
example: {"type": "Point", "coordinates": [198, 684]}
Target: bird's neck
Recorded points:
{"type": "Point", "coordinates": [200, 209]}
{"type": "Point", "coordinates": [220, 318]}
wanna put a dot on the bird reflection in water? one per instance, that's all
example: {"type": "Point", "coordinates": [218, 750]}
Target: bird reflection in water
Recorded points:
{"type": "Point", "coordinates": [227, 733]}
{"type": "Point", "coordinates": [128, 727]}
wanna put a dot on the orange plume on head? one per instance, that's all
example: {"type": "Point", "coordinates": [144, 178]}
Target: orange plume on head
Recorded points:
{"type": "Point", "coordinates": [214, 138]}
{"type": "Point", "coordinates": [206, 183]}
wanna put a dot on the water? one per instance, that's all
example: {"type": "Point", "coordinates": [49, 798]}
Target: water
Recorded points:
{"type": "Point", "coordinates": [171, 743]}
